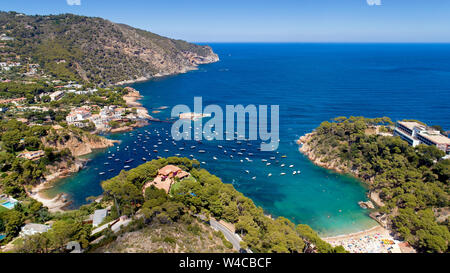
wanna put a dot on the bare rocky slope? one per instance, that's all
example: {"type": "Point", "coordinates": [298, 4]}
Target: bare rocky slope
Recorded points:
{"type": "Point", "coordinates": [79, 143]}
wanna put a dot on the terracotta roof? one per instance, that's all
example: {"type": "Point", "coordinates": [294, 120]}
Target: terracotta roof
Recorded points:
{"type": "Point", "coordinates": [169, 169]}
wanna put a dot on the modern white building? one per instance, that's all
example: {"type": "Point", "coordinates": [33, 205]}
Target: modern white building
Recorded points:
{"type": "Point", "coordinates": [56, 95]}
{"type": "Point", "coordinates": [416, 133]}
{"type": "Point", "coordinates": [99, 216]}
{"type": "Point", "coordinates": [32, 229]}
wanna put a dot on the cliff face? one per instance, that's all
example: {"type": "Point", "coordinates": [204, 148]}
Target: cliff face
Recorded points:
{"type": "Point", "coordinates": [63, 169]}
{"type": "Point", "coordinates": [79, 145]}
{"type": "Point", "coordinates": [100, 51]}
{"type": "Point", "coordinates": [307, 148]}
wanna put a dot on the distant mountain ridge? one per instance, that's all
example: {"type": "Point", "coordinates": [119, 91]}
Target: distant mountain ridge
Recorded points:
{"type": "Point", "coordinates": [96, 50]}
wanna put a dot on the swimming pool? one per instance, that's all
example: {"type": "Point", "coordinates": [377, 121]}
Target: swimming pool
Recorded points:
{"type": "Point", "coordinates": [9, 205]}
{"type": "Point", "coordinates": [2, 237]}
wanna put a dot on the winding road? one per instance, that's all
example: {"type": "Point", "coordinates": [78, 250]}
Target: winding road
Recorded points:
{"type": "Point", "coordinates": [233, 238]}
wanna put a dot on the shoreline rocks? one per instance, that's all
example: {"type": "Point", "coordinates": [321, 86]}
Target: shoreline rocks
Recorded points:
{"type": "Point", "coordinates": [366, 205]}
{"type": "Point", "coordinates": [307, 150]}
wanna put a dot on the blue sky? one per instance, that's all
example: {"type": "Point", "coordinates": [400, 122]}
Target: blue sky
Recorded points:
{"type": "Point", "coordinates": [265, 20]}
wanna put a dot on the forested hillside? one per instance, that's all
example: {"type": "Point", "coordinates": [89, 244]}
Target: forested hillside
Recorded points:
{"type": "Point", "coordinates": [95, 50]}
{"type": "Point", "coordinates": [411, 183]}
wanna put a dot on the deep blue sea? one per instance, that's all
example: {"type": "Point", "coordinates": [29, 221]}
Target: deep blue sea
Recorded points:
{"type": "Point", "coordinates": [311, 83]}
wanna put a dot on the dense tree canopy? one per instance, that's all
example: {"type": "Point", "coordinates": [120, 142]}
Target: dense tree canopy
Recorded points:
{"type": "Point", "coordinates": [205, 194]}
{"type": "Point", "coordinates": [413, 182]}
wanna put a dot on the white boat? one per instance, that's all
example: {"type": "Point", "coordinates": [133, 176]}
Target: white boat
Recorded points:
{"type": "Point", "coordinates": [283, 173]}
{"type": "Point", "coordinates": [282, 165]}
{"type": "Point", "coordinates": [247, 171]}
{"type": "Point", "coordinates": [264, 160]}
{"type": "Point", "coordinates": [254, 177]}
{"type": "Point", "coordinates": [126, 167]}
{"type": "Point", "coordinates": [102, 173]}
{"type": "Point", "coordinates": [291, 166]}
{"type": "Point", "coordinates": [215, 158]}
{"type": "Point", "coordinates": [294, 173]}
{"type": "Point", "coordinates": [268, 164]}
{"type": "Point", "coordinates": [269, 174]}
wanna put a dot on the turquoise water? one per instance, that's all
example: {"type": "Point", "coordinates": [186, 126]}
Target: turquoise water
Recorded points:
{"type": "Point", "coordinates": [311, 83]}
{"type": "Point", "coordinates": [9, 205]}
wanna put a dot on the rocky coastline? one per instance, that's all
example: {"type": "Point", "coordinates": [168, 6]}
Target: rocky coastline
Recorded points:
{"type": "Point", "coordinates": [383, 229]}
{"type": "Point", "coordinates": [193, 61]}
{"type": "Point", "coordinates": [307, 149]}
{"type": "Point", "coordinates": [81, 146]}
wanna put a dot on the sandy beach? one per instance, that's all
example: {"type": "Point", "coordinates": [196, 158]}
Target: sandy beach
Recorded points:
{"type": "Point", "coordinates": [53, 204]}
{"type": "Point", "coordinates": [374, 240]}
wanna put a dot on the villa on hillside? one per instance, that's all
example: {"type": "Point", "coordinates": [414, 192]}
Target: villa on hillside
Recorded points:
{"type": "Point", "coordinates": [15, 101]}
{"type": "Point", "coordinates": [57, 95]}
{"type": "Point", "coordinates": [32, 229]}
{"type": "Point", "coordinates": [166, 178]}
{"type": "Point", "coordinates": [416, 133]}
{"type": "Point", "coordinates": [33, 155]}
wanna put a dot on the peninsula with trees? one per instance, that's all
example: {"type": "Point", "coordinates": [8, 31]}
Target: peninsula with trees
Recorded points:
{"type": "Point", "coordinates": [408, 182]}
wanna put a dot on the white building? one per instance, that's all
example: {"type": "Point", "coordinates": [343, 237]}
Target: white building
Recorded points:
{"type": "Point", "coordinates": [3, 37]}
{"type": "Point", "coordinates": [56, 95]}
{"type": "Point", "coordinates": [415, 133]}
{"type": "Point", "coordinates": [99, 216]}
{"type": "Point", "coordinates": [78, 115]}
{"type": "Point", "coordinates": [32, 229]}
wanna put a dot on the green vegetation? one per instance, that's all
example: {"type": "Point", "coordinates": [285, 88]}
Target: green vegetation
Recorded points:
{"type": "Point", "coordinates": [186, 235]}
{"type": "Point", "coordinates": [18, 89]}
{"type": "Point", "coordinates": [412, 182]}
{"type": "Point", "coordinates": [71, 47]}
{"type": "Point", "coordinates": [15, 172]}
{"type": "Point", "coordinates": [65, 227]}
{"type": "Point", "coordinates": [207, 195]}
{"type": "Point", "coordinates": [12, 220]}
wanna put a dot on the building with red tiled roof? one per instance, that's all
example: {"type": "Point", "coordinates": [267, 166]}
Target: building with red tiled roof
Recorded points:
{"type": "Point", "coordinates": [165, 178]}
